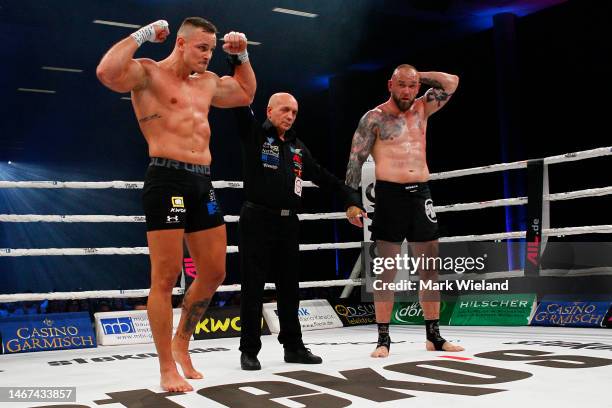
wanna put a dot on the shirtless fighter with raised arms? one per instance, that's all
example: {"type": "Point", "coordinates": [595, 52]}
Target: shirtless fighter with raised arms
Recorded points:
{"type": "Point", "coordinates": [394, 133]}
{"type": "Point", "coordinates": [171, 99]}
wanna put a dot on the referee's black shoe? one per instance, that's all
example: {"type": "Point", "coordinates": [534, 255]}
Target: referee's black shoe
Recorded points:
{"type": "Point", "coordinates": [249, 362]}
{"type": "Point", "coordinates": [301, 356]}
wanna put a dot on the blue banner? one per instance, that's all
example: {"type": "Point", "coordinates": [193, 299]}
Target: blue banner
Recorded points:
{"type": "Point", "coordinates": [54, 331]}
{"type": "Point", "coordinates": [575, 314]}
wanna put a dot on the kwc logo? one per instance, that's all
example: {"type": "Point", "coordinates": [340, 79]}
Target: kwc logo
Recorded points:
{"type": "Point", "coordinates": [210, 325]}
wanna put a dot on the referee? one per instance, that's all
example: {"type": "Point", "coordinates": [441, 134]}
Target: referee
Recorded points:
{"type": "Point", "coordinates": [275, 162]}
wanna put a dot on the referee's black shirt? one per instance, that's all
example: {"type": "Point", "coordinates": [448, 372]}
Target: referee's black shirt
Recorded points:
{"type": "Point", "coordinates": [271, 166]}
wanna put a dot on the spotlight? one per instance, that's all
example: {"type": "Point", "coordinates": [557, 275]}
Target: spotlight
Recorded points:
{"type": "Point", "coordinates": [10, 162]}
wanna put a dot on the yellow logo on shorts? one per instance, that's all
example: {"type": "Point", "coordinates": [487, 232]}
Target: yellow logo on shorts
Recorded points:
{"type": "Point", "coordinates": [178, 202]}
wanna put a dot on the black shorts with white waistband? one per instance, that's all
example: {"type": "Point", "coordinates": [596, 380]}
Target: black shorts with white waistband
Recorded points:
{"type": "Point", "coordinates": [178, 195]}
{"type": "Point", "coordinates": [403, 211]}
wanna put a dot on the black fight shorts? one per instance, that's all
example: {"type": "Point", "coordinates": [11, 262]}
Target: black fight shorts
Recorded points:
{"type": "Point", "coordinates": [403, 211]}
{"type": "Point", "coordinates": [178, 195]}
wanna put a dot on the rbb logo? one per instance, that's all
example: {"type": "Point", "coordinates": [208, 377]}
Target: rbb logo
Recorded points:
{"type": "Point", "coordinates": [119, 325]}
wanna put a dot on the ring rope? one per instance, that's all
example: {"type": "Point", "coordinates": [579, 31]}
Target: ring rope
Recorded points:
{"type": "Point", "coordinates": [144, 250]}
{"type": "Point", "coordinates": [117, 184]}
{"type": "Point", "coordinates": [591, 229]}
{"type": "Point", "coordinates": [132, 293]}
{"type": "Point", "coordinates": [137, 218]}
{"type": "Point", "coordinates": [570, 195]}
{"type": "Point", "coordinates": [567, 157]}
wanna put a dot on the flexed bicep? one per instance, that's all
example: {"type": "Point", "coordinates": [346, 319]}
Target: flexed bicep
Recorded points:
{"type": "Point", "coordinates": [118, 70]}
{"type": "Point", "coordinates": [229, 94]}
{"type": "Point", "coordinates": [238, 89]}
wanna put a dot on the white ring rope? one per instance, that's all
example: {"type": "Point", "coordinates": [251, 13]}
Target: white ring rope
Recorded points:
{"type": "Point", "coordinates": [70, 218]}
{"type": "Point", "coordinates": [121, 185]}
{"type": "Point", "coordinates": [231, 249]}
{"type": "Point", "coordinates": [567, 157]}
{"type": "Point", "coordinates": [585, 154]}
{"type": "Point", "coordinates": [133, 293]}
{"type": "Point", "coordinates": [137, 218]}
{"type": "Point", "coordinates": [570, 195]}
{"type": "Point", "coordinates": [556, 232]}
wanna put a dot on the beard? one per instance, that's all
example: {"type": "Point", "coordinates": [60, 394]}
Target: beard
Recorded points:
{"type": "Point", "coordinates": [402, 105]}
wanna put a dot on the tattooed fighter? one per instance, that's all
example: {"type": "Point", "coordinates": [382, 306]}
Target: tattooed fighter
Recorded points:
{"type": "Point", "coordinates": [394, 133]}
{"type": "Point", "coordinates": [171, 99]}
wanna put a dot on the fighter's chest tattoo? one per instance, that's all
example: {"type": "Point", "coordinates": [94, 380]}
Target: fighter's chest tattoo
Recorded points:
{"type": "Point", "coordinates": [389, 127]}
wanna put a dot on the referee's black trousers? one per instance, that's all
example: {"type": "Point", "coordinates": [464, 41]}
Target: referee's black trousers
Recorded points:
{"type": "Point", "coordinates": [268, 242]}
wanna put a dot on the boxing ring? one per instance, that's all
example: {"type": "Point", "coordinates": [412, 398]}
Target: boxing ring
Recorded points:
{"type": "Point", "coordinates": [505, 366]}
{"type": "Point", "coordinates": [127, 376]}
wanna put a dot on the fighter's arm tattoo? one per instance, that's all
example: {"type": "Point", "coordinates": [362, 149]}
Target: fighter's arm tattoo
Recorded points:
{"type": "Point", "coordinates": [363, 140]}
{"type": "Point", "coordinates": [436, 93]}
{"type": "Point", "coordinates": [193, 314]}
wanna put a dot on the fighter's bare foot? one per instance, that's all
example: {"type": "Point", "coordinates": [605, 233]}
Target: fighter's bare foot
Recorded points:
{"type": "Point", "coordinates": [172, 381]}
{"type": "Point", "coordinates": [383, 345]}
{"type": "Point", "coordinates": [182, 357]}
{"type": "Point", "coordinates": [380, 352]}
{"type": "Point", "coordinates": [447, 346]}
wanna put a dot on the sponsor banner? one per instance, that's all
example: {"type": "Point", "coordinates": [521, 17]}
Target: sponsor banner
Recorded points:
{"type": "Point", "coordinates": [54, 331]}
{"type": "Point", "coordinates": [494, 310]}
{"type": "Point", "coordinates": [411, 313]}
{"type": "Point", "coordinates": [222, 322]}
{"type": "Point", "coordinates": [355, 313]}
{"type": "Point", "coordinates": [313, 314]}
{"type": "Point", "coordinates": [575, 314]}
{"type": "Point", "coordinates": [127, 327]}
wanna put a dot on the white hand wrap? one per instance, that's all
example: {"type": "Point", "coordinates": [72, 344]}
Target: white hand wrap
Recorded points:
{"type": "Point", "coordinates": [243, 57]}
{"type": "Point", "coordinates": [147, 33]}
